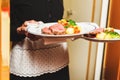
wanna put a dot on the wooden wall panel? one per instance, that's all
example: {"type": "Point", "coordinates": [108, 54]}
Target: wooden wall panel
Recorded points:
{"type": "Point", "coordinates": [113, 49]}
{"type": "Point", "coordinates": [0, 40]}
{"type": "Point", "coordinates": [4, 40]}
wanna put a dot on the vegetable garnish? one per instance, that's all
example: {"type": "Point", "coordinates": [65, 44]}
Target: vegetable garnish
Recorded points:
{"type": "Point", "coordinates": [108, 33]}
{"type": "Point", "coordinates": [70, 26]}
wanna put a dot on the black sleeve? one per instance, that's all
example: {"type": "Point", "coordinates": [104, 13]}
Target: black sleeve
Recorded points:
{"type": "Point", "coordinates": [39, 10]}
{"type": "Point", "coordinates": [61, 1]}
{"type": "Point", "coordinates": [56, 9]}
{"type": "Point", "coordinates": [14, 23]}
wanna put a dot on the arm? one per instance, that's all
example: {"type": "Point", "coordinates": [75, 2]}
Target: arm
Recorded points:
{"type": "Point", "coordinates": [53, 40]}
{"type": "Point", "coordinates": [50, 40]}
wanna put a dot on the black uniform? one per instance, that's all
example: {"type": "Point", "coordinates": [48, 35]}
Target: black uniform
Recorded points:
{"type": "Point", "coordinates": [40, 10]}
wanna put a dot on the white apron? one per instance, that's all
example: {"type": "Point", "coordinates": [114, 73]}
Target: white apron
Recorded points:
{"type": "Point", "coordinates": [32, 58]}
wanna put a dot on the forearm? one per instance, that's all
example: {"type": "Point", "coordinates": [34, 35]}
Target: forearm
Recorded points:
{"type": "Point", "coordinates": [53, 40]}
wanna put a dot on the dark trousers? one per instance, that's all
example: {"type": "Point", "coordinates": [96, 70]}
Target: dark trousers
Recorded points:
{"type": "Point", "coordinates": [63, 74]}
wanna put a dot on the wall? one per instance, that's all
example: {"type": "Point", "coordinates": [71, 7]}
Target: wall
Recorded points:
{"type": "Point", "coordinates": [0, 41]}
{"type": "Point", "coordinates": [113, 49]}
{"type": "Point", "coordinates": [83, 53]}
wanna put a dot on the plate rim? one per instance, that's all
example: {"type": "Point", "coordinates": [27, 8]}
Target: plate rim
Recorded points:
{"type": "Point", "coordinates": [60, 36]}
{"type": "Point", "coordinates": [103, 40]}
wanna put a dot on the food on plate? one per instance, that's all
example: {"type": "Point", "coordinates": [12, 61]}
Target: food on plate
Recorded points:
{"type": "Point", "coordinates": [46, 30]}
{"type": "Point", "coordinates": [70, 26]}
{"type": "Point", "coordinates": [97, 30]}
{"type": "Point", "coordinates": [63, 26]}
{"type": "Point", "coordinates": [105, 33]}
{"type": "Point", "coordinates": [55, 29]}
{"type": "Point", "coordinates": [69, 31]}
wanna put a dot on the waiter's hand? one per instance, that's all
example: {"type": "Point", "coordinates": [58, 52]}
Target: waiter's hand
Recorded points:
{"type": "Point", "coordinates": [22, 30]}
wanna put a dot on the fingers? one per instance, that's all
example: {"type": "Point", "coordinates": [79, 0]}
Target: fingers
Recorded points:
{"type": "Point", "coordinates": [75, 38]}
{"type": "Point", "coordinates": [21, 30]}
{"type": "Point", "coordinates": [32, 37]}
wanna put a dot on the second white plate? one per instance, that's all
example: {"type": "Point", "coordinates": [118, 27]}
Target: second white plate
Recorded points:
{"type": "Point", "coordinates": [103, 40]}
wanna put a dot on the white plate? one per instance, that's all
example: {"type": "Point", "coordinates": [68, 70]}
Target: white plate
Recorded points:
{"type": "Point", "coordinates": [86, 27]}
{"type": "Point", "coordinates": [103, 40]}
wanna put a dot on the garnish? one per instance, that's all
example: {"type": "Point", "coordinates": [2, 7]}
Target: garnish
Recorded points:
{"type": "Point", "coordinates": [70, 26]}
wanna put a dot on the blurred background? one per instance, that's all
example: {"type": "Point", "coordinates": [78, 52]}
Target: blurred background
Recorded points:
{"type": "Point", "coordinates": [88, 60]}
{"type": "Point", "coordinates": [4, 38]}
